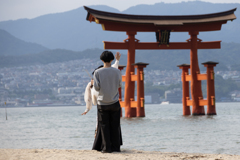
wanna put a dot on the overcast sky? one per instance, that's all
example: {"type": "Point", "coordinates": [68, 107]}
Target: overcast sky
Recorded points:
{"type": "Point", "coordinates": [16, 9]}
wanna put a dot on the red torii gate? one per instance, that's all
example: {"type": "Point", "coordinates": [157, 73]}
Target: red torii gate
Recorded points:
{"type": "Point", "coordinates": [131, 24]}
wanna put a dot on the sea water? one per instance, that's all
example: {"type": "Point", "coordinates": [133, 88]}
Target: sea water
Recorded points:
{"type": "Point", "coordinates": [163, 129]}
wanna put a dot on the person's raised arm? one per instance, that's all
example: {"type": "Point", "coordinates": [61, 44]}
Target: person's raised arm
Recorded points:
{"type": "Point", "coordinates": [117, 56]}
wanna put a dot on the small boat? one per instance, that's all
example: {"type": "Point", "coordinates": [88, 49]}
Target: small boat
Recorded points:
{"type": "Point", "coordinates": [165, 102]}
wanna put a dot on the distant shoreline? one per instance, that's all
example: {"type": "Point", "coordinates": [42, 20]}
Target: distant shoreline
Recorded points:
{"type": "Point", "coordinates": [84, 105]}
{"type": "Point", "coordinates": [41, 106]}
{"type": "Point", "coordinates": [59, 154]}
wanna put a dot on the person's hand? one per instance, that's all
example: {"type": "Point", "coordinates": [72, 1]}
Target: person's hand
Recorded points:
{"type": "Point", "coordinates": [84, 113]}
{"type": "Point", "coordinates": [117, 56]}
{"type": "Point", "coordinates": [92, 81]}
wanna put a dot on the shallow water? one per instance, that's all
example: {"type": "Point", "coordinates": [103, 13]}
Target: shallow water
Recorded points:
{"type": "Point", "coordinates": [163, 129]}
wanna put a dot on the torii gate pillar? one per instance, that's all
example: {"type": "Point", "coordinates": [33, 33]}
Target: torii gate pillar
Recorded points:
{"type": "Point", "coordinates": [185, 89]}
{"type": "Point", "coordinates": [140, 88]}
{"type": "Point", "coordinates": [196, 90]}
{"type": "Point", "coordinates": [130, 85]}
{"type": "Point", "coordinates": [211, 109]}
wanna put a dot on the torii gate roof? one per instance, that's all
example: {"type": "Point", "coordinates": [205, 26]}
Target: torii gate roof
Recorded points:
{"type": "Point", "coordinates": [179, 23]}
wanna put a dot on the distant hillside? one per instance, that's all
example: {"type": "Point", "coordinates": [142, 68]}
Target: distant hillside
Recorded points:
{"type": "Point", "coordinates": [228, 55]}
{"type": "Point", "coordinates": [68, 30]}
{"type": "Point", "coordinates": [71, 31]}
{"type": "Point", "coordinates": [49, 56]}
{"type": "Point", "coordinates": [9, 45]}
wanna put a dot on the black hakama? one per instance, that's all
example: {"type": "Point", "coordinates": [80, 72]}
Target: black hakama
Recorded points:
{"type": "Point", "coordinates": [108, 137]}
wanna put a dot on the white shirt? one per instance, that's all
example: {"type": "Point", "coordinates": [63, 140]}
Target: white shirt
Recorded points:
{"type": "Point", "coordinates": [90, 95]}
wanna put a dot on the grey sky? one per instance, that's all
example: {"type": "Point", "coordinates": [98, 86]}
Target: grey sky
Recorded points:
{"type": "Point", "coordinates": [16, 9]}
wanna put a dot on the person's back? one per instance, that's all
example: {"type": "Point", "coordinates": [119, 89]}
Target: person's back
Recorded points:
{"type": "Point", "coordinates": [107, 81]}
{"type": "Point", "coordinates": [90, 95]}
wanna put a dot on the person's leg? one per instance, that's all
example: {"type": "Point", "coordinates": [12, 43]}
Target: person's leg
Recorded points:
{"type": "Point", "coordinates": [104, 125]}
{"type": "Point", "coordinates": [115, 127]}
{"type": "Point", "coordinates": [120, 133]}
{"type": "Point", "coordinates": [97, 145]}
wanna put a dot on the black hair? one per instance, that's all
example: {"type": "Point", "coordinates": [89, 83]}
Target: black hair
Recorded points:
{"type": "Point", "coordinates": [96, 69]}
{"type": "Point", "coordinates": [107, 56]}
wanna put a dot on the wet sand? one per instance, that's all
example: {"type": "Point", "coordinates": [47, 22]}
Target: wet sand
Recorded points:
{"type": "Point", "coordinates": [57, 154]}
